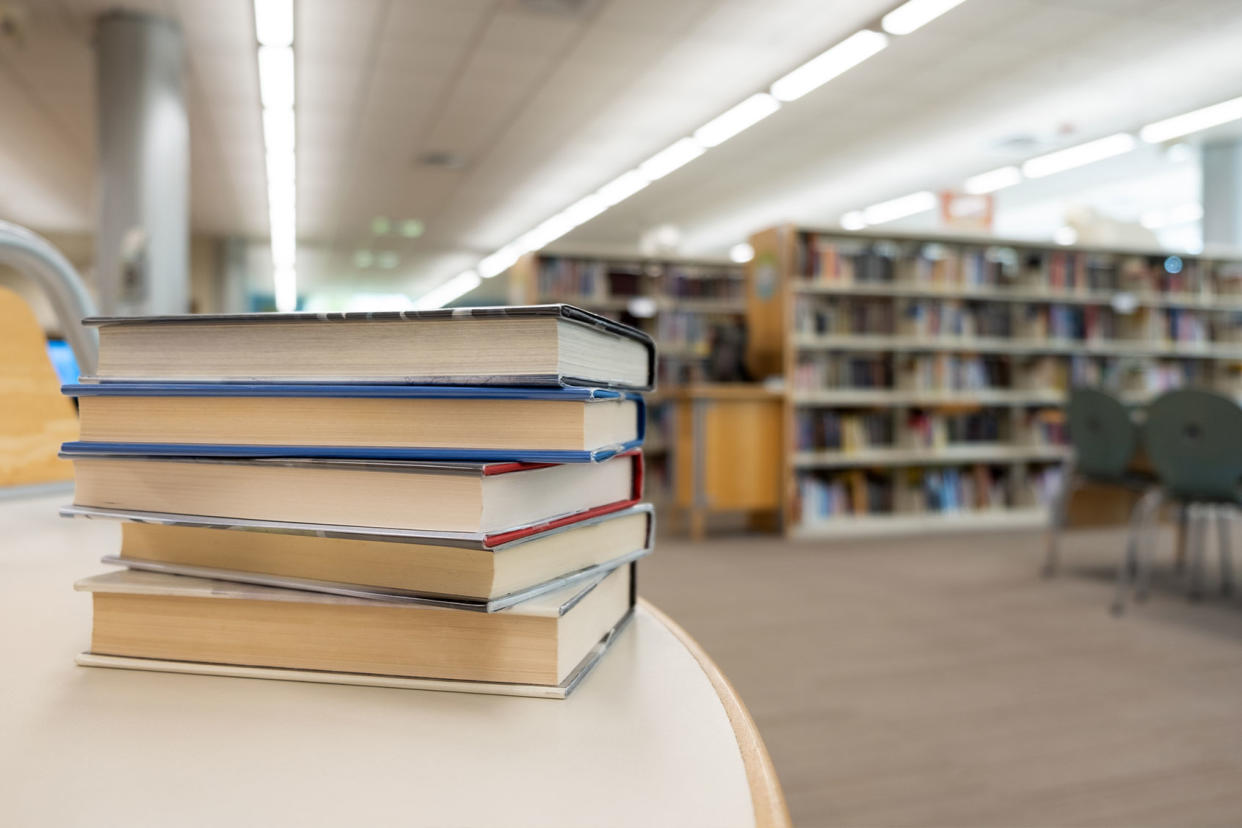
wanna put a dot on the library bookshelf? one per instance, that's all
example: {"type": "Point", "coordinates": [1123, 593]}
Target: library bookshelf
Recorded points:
{"type": "Point", "coordinates": [678, 301]}
{"type": "Point", "coordinates": [925, 375]}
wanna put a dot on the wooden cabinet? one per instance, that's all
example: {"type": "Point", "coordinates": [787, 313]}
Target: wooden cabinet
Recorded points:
{"type": "Point", "coordinates": [728, 450]}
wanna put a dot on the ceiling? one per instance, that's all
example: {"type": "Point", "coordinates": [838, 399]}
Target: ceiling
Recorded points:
{"type": "Point", "coordinates": [544, 106]}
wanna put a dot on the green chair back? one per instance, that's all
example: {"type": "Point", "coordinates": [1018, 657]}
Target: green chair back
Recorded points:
{"type": "Point", "coordinates": [1194, 440]}
{"type": "Point", "coordinates": [1102, 432]}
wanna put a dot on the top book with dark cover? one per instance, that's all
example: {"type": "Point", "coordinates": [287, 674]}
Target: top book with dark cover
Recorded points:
{"type": "Point", "coordinates": [535, 345]}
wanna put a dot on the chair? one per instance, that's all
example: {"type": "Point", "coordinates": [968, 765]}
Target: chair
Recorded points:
{"type": "Point", "coordinates": [1105, 439]}
{"type": "Point", "coordinates": [1193, 438]}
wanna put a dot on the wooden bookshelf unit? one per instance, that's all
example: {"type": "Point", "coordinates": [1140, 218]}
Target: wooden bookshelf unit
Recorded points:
{"type": "Point", "coordinates": [925, 375]}
{"type": "Point", "coordinates": [677, 301]}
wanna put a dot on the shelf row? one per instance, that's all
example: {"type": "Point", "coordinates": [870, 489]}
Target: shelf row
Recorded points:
{"type": "Point", "coordinates": [948, 455]}
{"type": "Point", "coordinates": [855, 526]}
{"type": "Point", "coordinates": [1200, 301]}
{"type": "Point", "coordinates": [1002, 345]}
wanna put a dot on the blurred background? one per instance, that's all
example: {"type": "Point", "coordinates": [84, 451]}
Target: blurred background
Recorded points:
{"type": "Point", "coordinates": [879, 246]}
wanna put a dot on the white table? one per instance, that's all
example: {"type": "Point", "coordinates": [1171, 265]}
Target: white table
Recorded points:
{"type": "Point", "coordinates": [654, 736]}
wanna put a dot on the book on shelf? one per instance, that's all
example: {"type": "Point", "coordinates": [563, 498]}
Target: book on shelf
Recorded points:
{"type": "Point", "coordinates": [457, 497]}
{"type": "Point", "coordinates": [385, 422]}
{"type": "Point", "coordinates": [153, 621]}
{"type": "Point", "coordinates": [541, 345]}
{"type": "Point", "coordinates": [480, 572]}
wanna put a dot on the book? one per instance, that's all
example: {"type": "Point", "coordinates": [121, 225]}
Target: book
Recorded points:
{"type": "Point", "coordinates": [385, 422]}
{"type": "Point", "coordinates": [548, 345]}
{"type": "Point", "coordinates": [460, 498]}
{"type": "Point", "coordinates": [486, 573]}
{"type": "Point", "coordinates": [547, 641]}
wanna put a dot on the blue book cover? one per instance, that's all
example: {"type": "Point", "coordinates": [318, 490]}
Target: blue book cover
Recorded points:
{"type": "Point", "coordinates": [412, 453]}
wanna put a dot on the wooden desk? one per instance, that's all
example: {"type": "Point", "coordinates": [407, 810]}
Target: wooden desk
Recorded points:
{"type": "Point", "coordinates": [728, 450]}
{"type": "Point", "coordinates": [654, 736]}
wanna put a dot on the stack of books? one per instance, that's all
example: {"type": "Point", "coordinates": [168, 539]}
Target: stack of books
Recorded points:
{"type": "Point", "coordinates": [441, 499]}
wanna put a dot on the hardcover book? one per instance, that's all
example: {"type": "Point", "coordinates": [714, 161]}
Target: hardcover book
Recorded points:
{"type": "Point", "coordinates": [484, 573]}
{"type": "Point", "coordinates": [383, 422]}
{"type": "Point", "coordinates": [461, 500]}
{"type": "Point", "coordinates": [544, 646]}
{"type": "Point", "coordinates": [543, 345]}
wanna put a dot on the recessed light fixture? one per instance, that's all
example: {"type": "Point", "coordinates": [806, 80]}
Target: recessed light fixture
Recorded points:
{"type": "Point", "coordinates": [441, 295]}
{"type": "Point", "coordinates": [363, 259]}
{"type": "Point", "coordinates": [729, 123]}
{"type": "Point", "coordinates": [274, 31]}
{"type": "Point", "coordinates": [853, 220]}
{"type": "Point", "coordinates": [741, 253]}
{"type": "Point", "coordinates": [835, 61]}
{"type": "Point", "coordinates": [1199, 119]}
{"type": "Point", "coordinates": [381, 226]}
{"type": "Point", "coordinates": [915, 14]}
{"type": "Point", "coordinates": [993, 180]}
{"type": "Point", "coordinates": [672, 158]}
{"type": "Point", "coordinates": [899, 208]}
{"type": "Point", "coordinates": [412, 228]}
{"type": "Point", "coordinates": [1078, 156]}
{"type": "Point", "coordinates": [387, 259]}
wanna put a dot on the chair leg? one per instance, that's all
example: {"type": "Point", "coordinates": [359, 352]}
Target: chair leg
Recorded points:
{"type": "Point", "coordinates": [1183, 531]}
{"type": "Point", "coordinates": [1057, 519]}
{"type": "Point", "coordinates": [1147, 550]}
{"type": "Point", "coordinates": [1130, 568]}
{"type": "Point", "coordinates": [1195, 544]}
{"type": "Point", "coordinates": [1224, 514]}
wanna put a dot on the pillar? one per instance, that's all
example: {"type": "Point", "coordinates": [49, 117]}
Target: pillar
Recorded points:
{"type": "Point", "coordinates": [1222, 193]}
{"type": "Point", "coordinates": [142, 247]}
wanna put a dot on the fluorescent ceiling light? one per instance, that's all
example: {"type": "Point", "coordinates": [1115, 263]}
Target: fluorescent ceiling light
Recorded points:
{"type": "Point", "coordinates": [853, 220]}
{"type": "Point", "coordinates": [990, 182]}
{"type": "Point", "coordinates": [498, 262]}
{"type": "Point", "coordinates": [278, 130]}
{"type": "Point", "coordinates": [441, 295]}
{"type": "Point", "coordinates": [915, 14]}
{"type": "Point", "coordinates": [899, 208]}
{"type": "Point", "coordinates": [584, 209]}
{"type": "Point", "coordinates": [1200, 119]}
{"type": "Point", "coordinates": [732, 121]}
{"type": "Point", "coordinates": [671, 158]}
{"type": "Point", "coordinates": [741, 253]}
{"type": "Point", "coordinates": [836, 61]}
{"type": "Point", "coordinates": [276, 77]}
{"type": "Point", "coordinates": [285, 281]}
{"type": "Point", "coordinates": [273, 22]}
{"type": "Point", "coordinates": [1078, 156]}
{"type": "Point", "coordinates": [622, 187]}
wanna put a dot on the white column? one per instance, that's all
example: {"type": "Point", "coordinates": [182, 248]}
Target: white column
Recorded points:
{"type": "Point", "coordinates": [142, 248]}
{"type": "Point", "coordinates": [1222, 193]}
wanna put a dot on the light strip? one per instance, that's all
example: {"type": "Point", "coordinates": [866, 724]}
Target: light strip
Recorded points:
{"type": "Point", "coordinates": [915, 14]}
{"type": "Point", "coordinates": [672, 158]}
{"type": "Point", "coordinates": [441, 295]}
{"type": "Point", "coordinates": [274, 30]}
{"type": "Point", "coordinates": [1200, 119]}
{"type": "Point", "coordinates": [273, 22]}
{"type": "Point", "coordinates": [836, 61]}
{"type": "Point", "coordinates": [899, 208]}
{"type": "Point", "coordinates": [1078, 156]}
{"type": "Point", "coordinates": [743, 116]}
{"type": "Point", "coordinates": [811, 75]}
{"type": "Point", "coordinates": [993, 180]}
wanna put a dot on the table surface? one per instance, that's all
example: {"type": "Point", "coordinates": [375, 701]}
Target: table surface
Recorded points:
{"type": "Point", "coordinates": [653, 736]}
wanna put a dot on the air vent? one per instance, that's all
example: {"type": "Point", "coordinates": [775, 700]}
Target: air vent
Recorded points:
{"type": "Point", "coordinates": [443, 159]}
{"type": "Point", "coordinates": [560, 8]}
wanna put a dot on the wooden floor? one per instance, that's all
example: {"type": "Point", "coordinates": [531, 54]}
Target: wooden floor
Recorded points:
{"type": "Point", "coordinates": [940, 682]}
